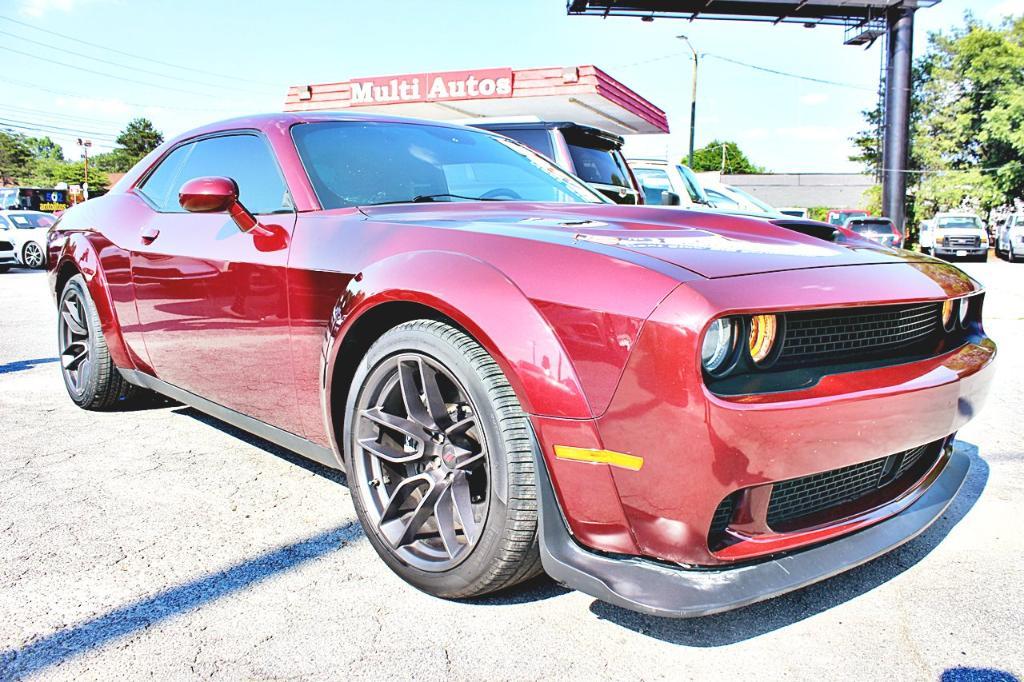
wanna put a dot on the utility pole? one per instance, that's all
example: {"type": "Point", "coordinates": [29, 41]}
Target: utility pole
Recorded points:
{"type": "Point", "coordinates": [900, 41]}
{"type": "Point", "coordinates": [693, 96]}
{"type": "Point", "coordinates": [85, 144]}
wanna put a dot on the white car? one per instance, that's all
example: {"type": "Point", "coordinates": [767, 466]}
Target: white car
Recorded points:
{"type": "Point", "coordinates": [670, 184]}
{"type": "Point", "coordinates": [1010, 242]}
{"type": "Point", "coordinates": [26, 232]}
{"type": "Point", "coordinates": [7, 257]}
{"type": "Point", "coordinates": [960, 234]}
{"type": "Point", "coordinates": [731, 197]}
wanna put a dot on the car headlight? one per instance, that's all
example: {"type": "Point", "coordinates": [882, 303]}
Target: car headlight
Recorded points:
{"type": "Point", "coordinates": [719, 341]}
{"type": "Point", "coordinates": [938, 239]}
{"type": "Point", "coordinates": [763, 332]}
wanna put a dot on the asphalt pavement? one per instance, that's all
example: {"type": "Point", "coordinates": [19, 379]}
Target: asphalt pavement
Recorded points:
{"type": "Point", "coordinates": [162, 543]}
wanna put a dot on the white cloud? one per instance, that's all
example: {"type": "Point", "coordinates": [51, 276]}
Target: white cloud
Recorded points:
{"type": "Point", "coordinates": [100, 105]}
{"type": "Point", "coordinates": [813, 133]}
{"type": "Point", "coordinates": [1006, 8]}
{"type": "Point", "coordinates": [814, 99]}
{"type": "Point", "coordinates": [40, 8]}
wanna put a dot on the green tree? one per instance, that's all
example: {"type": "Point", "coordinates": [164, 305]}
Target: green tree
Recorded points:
{"type": "Point", "coordinates": [710, 158]}
{"type": "Point", "coordinates": [967, 134]}
{"type": "Point", "coordinates": [139, 138]}
{"type": "Point", "coordinates": [15, 156]}
{"type": "Point", "coordinates": [44, 148]}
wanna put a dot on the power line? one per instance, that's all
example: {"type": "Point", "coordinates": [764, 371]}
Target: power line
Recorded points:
{"type": "Point", "coordinates": [778, 72]}
{"type": "Point", "coordinates": [56, 115]}
{"type": "Point", "coordinates": [205, 72]}
{"type": "Point", "coordinates": [61, 129]}
{"type": "Point", "coordinates": [64, 93]}
{"type": "Point", "coordinates": [124, 66]}
{"type": "Point", "coordinates": [77, 67]}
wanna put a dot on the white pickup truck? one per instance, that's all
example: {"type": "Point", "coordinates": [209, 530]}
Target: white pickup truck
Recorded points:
{"type": "Point", "coordinates": [955, 234]}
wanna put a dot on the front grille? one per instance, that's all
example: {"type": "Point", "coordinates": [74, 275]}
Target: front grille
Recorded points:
{"type": "Point", "coordinates": [723, 515]}
{"type": "Point", "coordinates": [852, 333]}
{"type": "Point", "coordinates": [6, 246]}
{"type": "Point", "coordinates": [963, 242]}
{"type": "Point", "coordinates": [802, 497]}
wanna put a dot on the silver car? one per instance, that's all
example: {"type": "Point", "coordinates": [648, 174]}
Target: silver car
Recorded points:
{"type": "Point", "coordinates": [26, 232]}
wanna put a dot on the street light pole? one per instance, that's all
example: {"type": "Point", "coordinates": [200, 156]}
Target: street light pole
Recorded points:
{"type": "Point", "coordinates": [85, 144]}
{"type": "Point", "coordinates": [693, 96]}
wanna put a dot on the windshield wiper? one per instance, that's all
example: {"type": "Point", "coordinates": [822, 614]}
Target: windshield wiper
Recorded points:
{"type": "Point", "coordinates": [421, 198]}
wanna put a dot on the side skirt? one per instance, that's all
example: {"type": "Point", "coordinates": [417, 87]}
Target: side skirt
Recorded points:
{"type": "Point", "coordinates": [289, 441]}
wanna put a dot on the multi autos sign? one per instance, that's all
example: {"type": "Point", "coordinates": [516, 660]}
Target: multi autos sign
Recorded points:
{"type": "Point", "coordinates": [432, 87]}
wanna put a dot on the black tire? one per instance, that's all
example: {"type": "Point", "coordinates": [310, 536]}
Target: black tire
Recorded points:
{"type": "Point", "coordinates": [90, 377]}
{"type": "Point", "coordinates": [4, 268]}
{"type": "Point", "coordinates": [33, 252]}
{"type": "Point", "coordinates": [505, 549]}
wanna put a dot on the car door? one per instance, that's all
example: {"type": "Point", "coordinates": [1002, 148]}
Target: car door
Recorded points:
{"type": "Point", "coordinates": [212, 299]}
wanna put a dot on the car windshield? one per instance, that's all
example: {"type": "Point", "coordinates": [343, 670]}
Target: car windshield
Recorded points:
{"type": "Point", "coordinates": [959, 221]}
{"type": "Point", "coordinates": [869, 226]}
{"type": "Point", "coordinates": [364, 163]}
{"type": "Point", "coordinates": [693, 186]}
{"type": "Point", "coordinates": [752, 199]}
{"type": "Point", "coordinates": [653, 182]}
{"type": "Point", "coordinates": [721, 200]}
{"type": "Point", "coordinates": [29, 221]}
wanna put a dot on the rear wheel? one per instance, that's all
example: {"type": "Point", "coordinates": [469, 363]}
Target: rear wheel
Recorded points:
{"type": "Point", "coordinates": [1011, 253]}
{"type": "Point", "coordinates": [32, 256]}
{"type": "Point", "coordinates": [90, 376]}
{"type": "Point", "coordinates": [4, 268]}
{"type": "Point", "coordinates": [439, 457]}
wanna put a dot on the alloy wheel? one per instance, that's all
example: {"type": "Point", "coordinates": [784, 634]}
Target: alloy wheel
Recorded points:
{"type": "Point", "coordinates": [421, 463]}
{"type": "Point", "coordinates": [75, 344]}
{"type": "Point", "coordinates": [33, 255]}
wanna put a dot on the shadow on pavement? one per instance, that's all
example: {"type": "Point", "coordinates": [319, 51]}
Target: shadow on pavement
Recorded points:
{"type": "Point", "coordinates": [735, 626]}
{"type": "Point", "coordinates": [22, 365]}
{"type": "Point", "coordinates": [265, 445]}
{"type": "Point", "coordinates": [64, 644]}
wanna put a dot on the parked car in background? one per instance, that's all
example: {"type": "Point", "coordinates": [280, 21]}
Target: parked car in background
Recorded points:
{"type": "Point", "coordinates": [1010, 240]}
{"type": "Point", "coordinates": [516, 374]}
{"type": "Point", "coordinates": [878, 229]}
{"type": "Point", "coordinates": [8, 256]}
{"type": "Point", "coordinates": [839, 216]}
{"type": "Point", "coordinates": [669, 183]}
{"type": "Point", "coordinates": [26, 230]}
{"type": "Point", "coordinates": [732, 198]}
{"type": "Point", "coordinates": [796, 212]}
{"type": "Point", "coordinates": [955, 234]}
{"type": "Point", "coordinates": [592, 154]}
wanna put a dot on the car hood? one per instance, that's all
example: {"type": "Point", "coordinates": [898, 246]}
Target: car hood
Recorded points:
{"type": "Point", "coordinates": [711, 245]}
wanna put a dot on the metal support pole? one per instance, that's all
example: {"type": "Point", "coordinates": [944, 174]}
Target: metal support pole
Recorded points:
{"type": "Point", "coordinates": [900, 43]}
{"type": "Point", "coordinates": [693, 97]}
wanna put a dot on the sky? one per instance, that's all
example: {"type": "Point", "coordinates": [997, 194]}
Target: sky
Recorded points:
{"type": "Point", "coordinates": [183, 63]}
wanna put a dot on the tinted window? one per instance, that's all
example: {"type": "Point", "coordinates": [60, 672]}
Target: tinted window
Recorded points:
{"type": "Point", "coordinates": [537, 140]}
{"type": "Point", "coordinates": [362, 164]}
{"type": "Point", "coordinates": [603, 166]}
{"type": "Point", "coordinates": [247, 160]}
{"type": "Point", "coordinates": [161, 187]}
{"type": "Point", "coordinates": [653, 182]}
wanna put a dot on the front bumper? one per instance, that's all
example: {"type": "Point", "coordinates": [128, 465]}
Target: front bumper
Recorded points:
{"type": "Point", "coordinates": [661, 589]}
{"type": "Point", "coordinates": [954, 251]}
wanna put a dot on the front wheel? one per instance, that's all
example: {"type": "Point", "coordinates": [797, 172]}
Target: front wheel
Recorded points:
{"type": "Point", "coordinates": [32, 256]}
{"type": "Point", "coordinates": [90, 376]}
{"type": "Point", "coordinates": [439, 456]}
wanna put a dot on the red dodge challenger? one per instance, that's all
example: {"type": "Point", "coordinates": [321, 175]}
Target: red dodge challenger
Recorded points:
{"type": "Point", "coordinates": [676, 412]}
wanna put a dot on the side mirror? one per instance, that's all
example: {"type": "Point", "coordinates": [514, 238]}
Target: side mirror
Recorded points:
{"type": "Point", "coordinates": [670, 198]}
{"type": "Point", "coordinates": [216, 195]}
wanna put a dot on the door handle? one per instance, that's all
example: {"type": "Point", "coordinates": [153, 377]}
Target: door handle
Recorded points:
{"type": "Point", "coordinates": [148, 235]}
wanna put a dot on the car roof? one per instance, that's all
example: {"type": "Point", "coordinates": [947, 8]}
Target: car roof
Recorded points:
{"type": "Point", "coordinates": [280, 120]}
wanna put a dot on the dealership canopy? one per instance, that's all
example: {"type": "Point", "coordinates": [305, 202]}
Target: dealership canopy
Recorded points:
{"type": "Point", "coordinates": [582, 94]}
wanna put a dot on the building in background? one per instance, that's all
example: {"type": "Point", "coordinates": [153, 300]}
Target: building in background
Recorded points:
{"type": "Point", "coordinates": [804, 190]}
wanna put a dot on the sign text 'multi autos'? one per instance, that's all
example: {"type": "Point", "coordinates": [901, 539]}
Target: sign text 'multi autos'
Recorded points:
{"type": "Point", "coordinates": [432, 87]}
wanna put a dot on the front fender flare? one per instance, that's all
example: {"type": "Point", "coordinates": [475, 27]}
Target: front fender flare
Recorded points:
{"type": "Point", "coordinates": [484, 302]}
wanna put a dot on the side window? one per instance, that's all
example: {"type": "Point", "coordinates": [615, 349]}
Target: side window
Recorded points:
{"type": "Point", "coordinates": [161, 187]}
{"type": "Point", "coordinates": [653, 182]}
{"type": "Point", "coordinates": [248, 161]}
